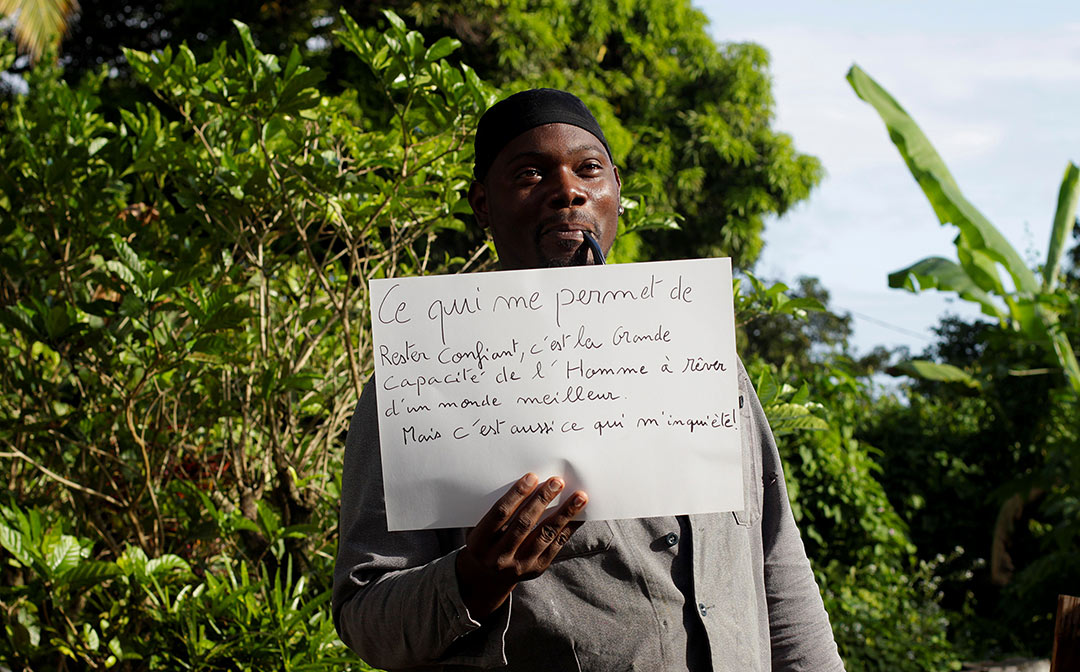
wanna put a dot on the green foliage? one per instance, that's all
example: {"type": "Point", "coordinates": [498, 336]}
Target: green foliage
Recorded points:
{"type": "Point", "coordinates": [1005, 460]}
{"type": "Point", "coordinates": [143, 613]}
{"type": "Point", "coordinates": [688, 120]}
{"type": "Point", "coordinates": [182, 314]}
{"type": "Point", "coordinates": [884, 604]}
{"type": "Point", "coordinates": [890, 616]}
{"type": "Point", "coordinates": [946, 373]}
{"type": "Point", "coordinates": [1029, 308]}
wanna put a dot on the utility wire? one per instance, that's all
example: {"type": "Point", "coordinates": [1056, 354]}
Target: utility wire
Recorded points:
{"type": "Point", "coordinates": [901, 330]}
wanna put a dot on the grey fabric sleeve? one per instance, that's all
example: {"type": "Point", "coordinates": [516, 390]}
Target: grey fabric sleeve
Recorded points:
{"type": "Point", "coordinates": [396, 601]}
{"type": "Point", "coordinates": [800, 635]}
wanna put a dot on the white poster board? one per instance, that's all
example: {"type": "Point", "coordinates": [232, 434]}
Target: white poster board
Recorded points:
{"type": "Point", "coordinates": [621, 379]}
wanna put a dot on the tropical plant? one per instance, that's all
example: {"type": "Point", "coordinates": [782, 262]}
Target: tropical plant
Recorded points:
{"type": "Point", "coordinates": [39, 25]}
{"type": "Point", "coordinates": [1021, 457]}
{"type": "Point", "coordinates": [1030, 307]}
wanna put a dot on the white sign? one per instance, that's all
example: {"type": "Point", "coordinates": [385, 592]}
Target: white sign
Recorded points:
{"type": "Point", "coordinates": [620, 379]}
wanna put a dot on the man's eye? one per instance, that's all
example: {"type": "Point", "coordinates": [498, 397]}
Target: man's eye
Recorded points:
{"type": "Point", "coordinates": [528, 174]}
{"type": "Point", "coordinates": [591, 167]}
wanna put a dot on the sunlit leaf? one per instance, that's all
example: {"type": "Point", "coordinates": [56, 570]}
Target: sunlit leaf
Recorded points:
{"type": "Point", "coordinates": [945, 373]}
{"type": "Point", "coordinates": [929, 170]}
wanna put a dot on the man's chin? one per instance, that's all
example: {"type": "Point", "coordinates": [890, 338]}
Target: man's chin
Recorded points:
{"type": "Point", "coordinates": [580, 256]}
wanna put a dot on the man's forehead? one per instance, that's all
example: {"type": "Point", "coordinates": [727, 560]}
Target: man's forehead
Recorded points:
{"type": "Point", "coordinates": [508, 119]}
{"type": "Point", "coordinates": [551, 141]}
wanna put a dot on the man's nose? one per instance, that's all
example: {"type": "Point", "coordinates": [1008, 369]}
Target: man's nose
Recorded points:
{"type": "Point", "coordinates": [567, 190]}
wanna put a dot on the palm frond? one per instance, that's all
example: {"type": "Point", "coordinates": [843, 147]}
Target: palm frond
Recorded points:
{"type": "Point", "coordinates": [39, 24]}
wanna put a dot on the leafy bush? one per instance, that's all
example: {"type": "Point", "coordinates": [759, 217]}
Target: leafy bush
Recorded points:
{"type": "Point", "coordinates": [183, 322]}
{"type": "Point", "coordinates": [883, 603]}
{"type": "Point", "coordinates": [1016, 449]}
{"type": "Point", "coordinates": [140, 613]}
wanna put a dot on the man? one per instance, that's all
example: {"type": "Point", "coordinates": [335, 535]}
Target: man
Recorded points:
{"type": "Point", "coordinates": [528, 591]}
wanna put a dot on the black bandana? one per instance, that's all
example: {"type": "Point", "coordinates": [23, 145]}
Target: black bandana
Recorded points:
{"type": "Point", "coordinates": [524, 111]}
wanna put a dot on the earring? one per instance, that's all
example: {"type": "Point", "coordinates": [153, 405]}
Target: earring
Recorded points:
{"type": "Point", "coordinates": [621, 209]}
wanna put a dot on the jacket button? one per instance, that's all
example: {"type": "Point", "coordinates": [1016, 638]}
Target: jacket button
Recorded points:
{"type": "Point", "coordinates": [671, 539]}
{"type": "Point", "coordinates": [702, 608]}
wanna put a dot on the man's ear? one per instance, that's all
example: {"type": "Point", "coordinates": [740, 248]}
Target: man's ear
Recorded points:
{"type": "Point", "coordinates": [479, 204]}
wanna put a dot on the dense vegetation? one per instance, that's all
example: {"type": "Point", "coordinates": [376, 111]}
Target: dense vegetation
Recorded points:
{"type": "Point", "coordinates": [185, 239]}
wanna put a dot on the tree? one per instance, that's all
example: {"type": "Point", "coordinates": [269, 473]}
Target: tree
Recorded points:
{"type": "Point", "coordinates": [688, 120]}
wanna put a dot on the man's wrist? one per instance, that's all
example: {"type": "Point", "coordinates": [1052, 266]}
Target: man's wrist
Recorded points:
{"type": "Point", "coordinates": [481, 594]}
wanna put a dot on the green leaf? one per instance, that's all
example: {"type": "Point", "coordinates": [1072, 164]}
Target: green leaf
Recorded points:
{"type": "Point", "coordinates": [121, 271]}
{"type": "Point", "coordinates": [96, 144]}
{"type": "Point", "coordinates": [229, 316]}
{"type": "Point", "coordinates": [395, 21]}
{"type": "Point", "coordinates": [92, 571]}
{"type": "Point", "coordinates": [167, 564]}
{"type": "Point", "coordinates": [250, 52]}
{"type": "Point", "coordinates": [787, 410]}
{"type": "Point", "coordinates": [1067, 358]}
{"type": "Point", "coordinates": [1064, 218]}
{"type": "Point", "coordinates": [29, 630]}
{"type": "Point", "coordinates": [13, 540]}
{"type": "Point", "coordinates": [18, 318]}
{"type": "Point", "coordinates": [127, 255]}
{"type": "Point", "coordinates": [90, 636]}
{"type": "Point", "coordinates": [802, 303]}
{"type": "Point", "coordinates": [767, 387]}
{"type": "Point", "coordinates": [57, 321]}
{"type": "Point", "coordinates": [63, 555]}
{"type": "Point", "coordinates": [441, 49]}
{"type": "Point", "coordinates": [947, 276]}
{"type": "Point", "coordinates": [293, 63]}
{"type": "Point", "coordinates": [133, 562]}
{"type": "Point", "coordinates": [132, 306]}
{"type": "Point", "coordinates": [929, 170]}
{"type": "Point", "coordinates": [303, 531]}
{"type": "Point", "coordinates": [981, 268]}
{"type": "Point", "coordinates": [945, 373]}
{"type": "Point", "coordinates": [798, 423]}
{"type": "Point", "coordinates": [802, 396]}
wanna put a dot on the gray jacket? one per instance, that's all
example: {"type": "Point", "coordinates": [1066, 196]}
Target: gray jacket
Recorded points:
{"type": "Point", "coordinates": [669, 593]}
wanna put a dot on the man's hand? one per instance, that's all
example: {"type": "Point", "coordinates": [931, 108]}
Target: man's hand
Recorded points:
{"type": "Point", "coordinates": [511, 544]}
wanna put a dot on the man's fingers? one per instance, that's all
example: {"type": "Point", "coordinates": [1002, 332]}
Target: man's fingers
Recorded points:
{"type": "Point", "coordinates": [505, 508]}
{"type": "Point", "coordinates": [521, 525]}
{"type": "Point", "coordinates": [553, 533]}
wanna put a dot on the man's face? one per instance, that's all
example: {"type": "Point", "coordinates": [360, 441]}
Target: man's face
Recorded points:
{"type": "Point", "coordinates": [544, 189]}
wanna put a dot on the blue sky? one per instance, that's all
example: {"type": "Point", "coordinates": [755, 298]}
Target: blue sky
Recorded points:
{"type": "Point", "coordinates": [996, 87]}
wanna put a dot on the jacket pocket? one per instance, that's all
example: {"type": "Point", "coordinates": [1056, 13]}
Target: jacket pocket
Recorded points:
{"type": "Point", "coordinates": [594, 536]}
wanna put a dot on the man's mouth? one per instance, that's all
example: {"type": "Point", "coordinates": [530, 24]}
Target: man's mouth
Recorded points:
{"type": "Point", "coordinates": [576, 235]}
{"type": "Point", "coordinates": [571, 230]}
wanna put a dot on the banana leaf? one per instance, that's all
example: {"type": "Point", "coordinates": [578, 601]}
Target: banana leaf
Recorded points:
{"type": "Point", "coordinates": [929, 170]}
{"type": "Point", "coordinates": [944, 275]}
{"type": "Point", "coordinates": [1063, 224]}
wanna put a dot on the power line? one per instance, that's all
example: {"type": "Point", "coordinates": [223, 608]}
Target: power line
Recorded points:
{"type": "Point", "coordinates": [899, 330]}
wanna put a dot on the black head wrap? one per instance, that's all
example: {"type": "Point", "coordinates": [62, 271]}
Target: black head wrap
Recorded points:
{"type": "Point", "coordinates": [510, 117]}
